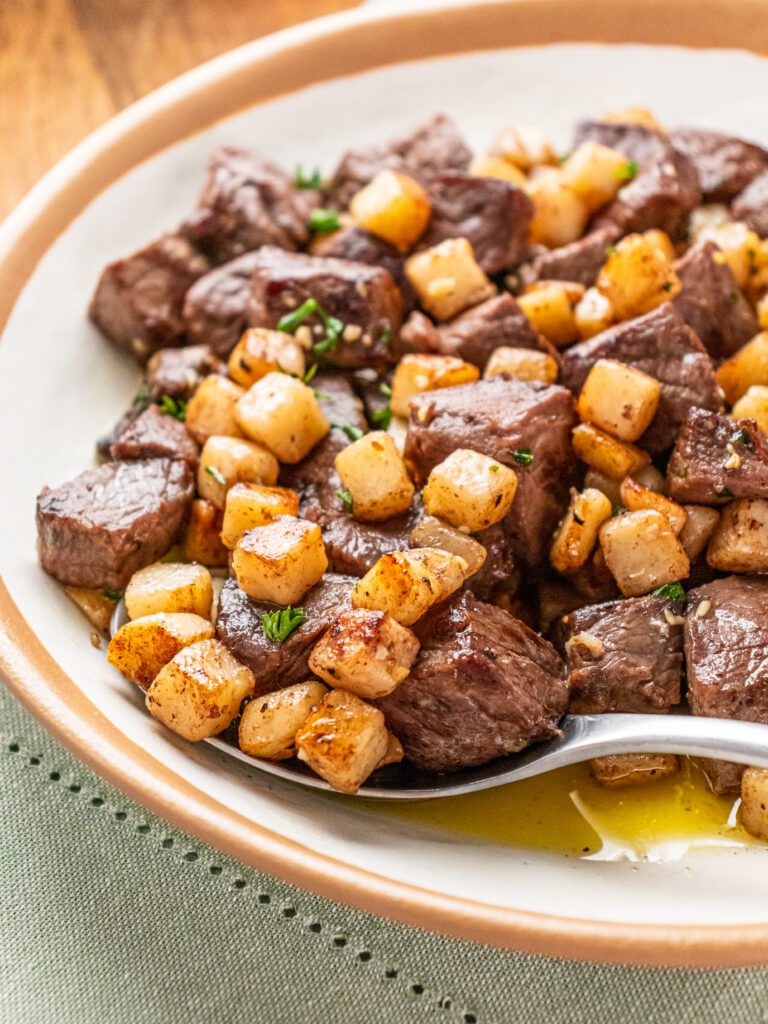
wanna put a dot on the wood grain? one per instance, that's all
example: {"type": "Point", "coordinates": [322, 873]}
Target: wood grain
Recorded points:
{"type": "Point", "coordinates": [69, 65]}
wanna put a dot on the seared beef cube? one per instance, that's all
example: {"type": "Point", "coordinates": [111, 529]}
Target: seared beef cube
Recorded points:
{"type": "Point", "coordinates": [662, 345]}
{"type": "Point", "coordinates": [214, 309]}
{"type": "Point", "coordinates": [247, 202]}
{"type": "Point", "coordinates": [430, 149]}
{"type": "Point", "coordinates": [364, 298]}
{"type": "Point", "coordinates": [500, 575]}
{"type": "Point", "coordinates": [277, 665]}
{"type": "Point", "coordinates": [483, 685]}
{"type": "Point", "coordinates": [725, 165]}
{"type": "Point", "coordinates": [354, 547]}
{"type": "Point", "coordinates": [623, 655]}
{"type": "Point", "coordinates": [98, 529]}
{"type": "Point", "coordinates": [154, 434]}
{"type": "Point", "coordinates": [715, 458]}
{"type": "Point", "coordinates": [711, 302]}
{"type": "Point", "coordinates": [138, 301]}
{"type": "Point", "coordinates": [360, 246]}
{"type": "Point", "coordinates": [177, 372]}
{"type": "Point", "coordinates": [503, 419]}
{"type": "Point", "coordinates": [751, 205]}
{"type": "Point", "coordinates": [492, 214]}
{"type": "Point", "coordinates": [724, 777]}
{"type": "Point", "coordinates": [580, 261]}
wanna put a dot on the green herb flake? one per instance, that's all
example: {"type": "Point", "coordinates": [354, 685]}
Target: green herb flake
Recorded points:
{"type": "Point", "coordinates": [617, 510]}
{"type": "Point", "coordinates": [733, 297]}
{"type": "Point", "coordinates": [386, 335]}
{"type": "Point", "coordinates": [113, 595]}
{"type": "Point", "coordinates": [386, 390]}
{"type": "Point", "coordinates": [667, 286]}
{"type": "Point", "coordinates": [346, 499]}
{"type": "Point", "coordinates": [279, 625]}
{"type": "Point", "coordinates": [382, 418]}
{"type": "Point", "coordinates": [321, 394]}
{"type": "Point", "coordinates": [628, 172]}
{"type": "Point", "coordinates": [744, 438]}
{"type": "Point", "coordinates": [524, 456]}
{"type": "Point", "coordinates": [174, 407]}
{"type": "Point", "coordinates": [217, 475]}
{"type": "Point", "coordinates": [142, 399]}
{"type": "Point", "coordinates": [310, 373]}
{"type": "Point", "coordinates": [333, 330]}
{"type": "Point", "coordinates": [291, 322]}
{"type": "Point", "coordinates": [724, 492]}
{"type": "Point", "coordinates": [494, 468]}
{"type": "Point", "coordinates": [564, 158]}
{"type": "Point", "coordinates": [313, 179]}
{"type": "Point", "coordinates": [353, 433]}
{"type": "Point", "coordinates": [324, 221]}
{"type": "Point", "coordinates": [333, 327]}
{"type": "Point", "coordinates": [611, 250]}
{"type": "Point", "coordinates": [670, 591]}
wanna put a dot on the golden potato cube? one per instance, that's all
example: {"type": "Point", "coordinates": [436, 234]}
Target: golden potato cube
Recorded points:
{"type": "Point", "coordinates": [619, 399]}
{"type": "Point", "coordinates": [280, 561]}
{"type": "Point", "coordinates": [700, 524]}
{"type": "Point", "coordinates": [282, 413]}
{"type": "Point", "coordinates": [432, 532]}
{"type": "Point", "coordinates": [202, 534]}
{"type": "Point", "coordinates": [399, 585]}
{"type": "Point", "coordinates": [738, 246]}
{"type": "Point", "coordinates": [740, 540]}
{"type": "Point", "coordinates": [448, 278]}
{"type": "Point", "coordinates": [269, 724]}
{"type": "Point", "coordinates": [746, 368]}
{"type": "Point", "coordinates": [225, 461]}
{"type": "Point", "coordinates": [448, 569]}
{"type": "Point", "coordinates": [394, 752]}
{"type": "Point", "coordinates": [169, 587]}
{"type": "Point", "coordinates": [364, 652]}
{"type": "Point", "coordinates": [636, 497]}
{"type": "Point", "coordinates": [757, 284]}
{"type": "Point", "coordinates": [261, 351]}
{"type": "Point", "coordinates": [470, 490]}
{"type": "Point", "coordinates": [753, 405]}
{"type": "Point", "coordinates": [642, 552]}
{"type": "Point", "coordinates": [343, 740]}
{"type": "Point", "coordinates": [560, 215]}
{"type": "Point", "coordinates": [577, 534]}
{"type": "Point", "coordinates": [393, 206]}
{"type": "Point", "coordinates": [94, 604]}
{"type": "Point", "coordinates": [663, 242]}
{"type": "Point", "coordinates": [524, 146]}
{"type": "Point", "coordinates": [211, 410]}
{"type": "Point", "coordinates": [753, 811]}
{"type": "Point", "coordinates": [637, 277]}
{"type": "Point", "coordinates": [199, 692]}
{"type": "Point", "coordinates": [634, 115]}
{"type": "Point", "coordinates": [251, 505]}
{"type": "Point", "coordinates": [417, 373]}
{"type": "Point", "coordinates": [523, 364]}
{"type": "Point", "coordinates": [622, 771]}
{"type": "Point", "coordinates": [551, 309]}
{"type": "Point", "coordinates": [648, 476]}
{"type": "Point", "coordinates": [372, 470]}
{"type": "Point", "coordinates": [607, 454]}
{"type": "Point", "coordinates": [594, 314]}
{"type": "Point", "coordinates": [595, 173]}
{"type": "Point", "coordinates": [489, 166]}
{"type": "Point", "coordinates": [610, 486]}
{"type": "Point", "coordinates": [140, 648]}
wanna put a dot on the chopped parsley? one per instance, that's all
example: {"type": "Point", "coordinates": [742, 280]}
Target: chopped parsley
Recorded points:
{"type": "Point", "coordinates": [324, 222]}
{"type": "Point", "coordinates": [386, 390]}
{"type": "Point", "coordinates": [616, 510]}
{"type": "Point", "coordinates": [494, 468]}
{"type": "Point", "coordinates": [743, 437]}
{"type": "Point", "coordinates": [733, 297]}
{"type": "Point", "coordinates": [610, 250]}
{"type": "Point", "coordinates": [312, 180]}
{"type": "Point", "coordinates": [174, 407]}
{"type": "Point", "coordinates": [279, 625]}
{"type": "Point", "coordinates": [353, 433]}
{"type": "Point", "coordinates": [522, 455]}
{"type": "Point", "coordinates": [382, 417]}
{"type": "Point", "coordinates": [671, 591]}
{"type": "Point", "coordinates": [217, 475]}
{"type": "Point", "coordinates": [628, 172]}
{"type": "Point", "coordinates": [386, 335]}
{"type": "Point", "coordinates": [112, 595]}
{"type": "Point", "coordinates": [142, 399]}
{"type": "Point", "coordinates": [309, 374]}
{"type": "Point", "coordinates": [334, 327]}
{"type": "Point", "coordinates": [724, 492]}
{"type": "Point", "coordinates": [346, 499]}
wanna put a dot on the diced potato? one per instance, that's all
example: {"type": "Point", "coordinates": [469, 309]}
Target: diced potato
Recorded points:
{"type": "Point", "coordinates": [211, 410]}
{"type": "Point", "coordinates": [251, 505]}
{"type": "Point", "coordinates": [594, 314]}
{"type": "Point", "coordinates": [94, 604]}
{"type": "Point", "coordinates": [261, 351]}
{"type": "Point", "coordinates": [523, 364]}
{"type": "Point", "coordinates": [663, 242]}
{"type": "Point", "coordinates": [280, 561]}
{"type": "Point", "coordinates": [757, 285]}
{"type": "Point", "coordinates": [637, 277]}
{"type": "Point", "coordinates": [470, 490]}
{"type": "Point", "coordinates": [226, 461]}
{"type": "Point", "coordinates": [269, 724]}
{"type": "Point", "coordinates": [373, 472]}
{"type": "Point", "coordinates": [620, 771]}
{"type": "Point", "coordinates": [700, 524]}
{"type": "Point", "coordinates": [610, 486]}
{"type": "Point", "coordinates": [740, 540]}
{"type": "Point", "coordinates": [642, 552]}
{"type": "Point", "coordinates": [343, 740]}
{"type": "Point", "coordinates": [393, 206]}
{"type": "Point", "coordinates": [634, 115]}
{"type": "Point", "coordinates": [753, 810]}
{"type": "Point", "coordinates": [169, 587]}
{"type": "Point", "coordinates": [202, 534]}
{"type": "Point", "coordinates": [594, 172]}
{"type": "Point", "coordinates": [606, 454]}
{"type": "Point", "coordinates": [417, 373]}
{"type": "Point", "coordinates": [448, 569]}
{"type": "Point", "coordinates": [560, 215]}
{"type": "Point", "coordinates": [762, 312]}
{"type": "Point", "coordinates": [364, 652]}
{"type": "Point", "coordinates": [489, 166]}
{"type": "Point", "coordinates": [394, 752]}
{"type": "Point", "coordinates": [140, 648]}
{"type": "Point", "coordinates": [648, 476]}
{"type": "Point", "coordinates": [753, 405]}
{"type": "Point", "coordinates": [619, 399]}
{"type": "Point", "coordinates": [432, 532]}
{"type": "Point", "coordinates": [403, 586]}
{"type": "Point", "coordinates": [199, 692]}
{"type": "Point", "coordinates": [524, 146]}
{"type": "Point", "coordinates": [282, 413]}
{"type": "Point", "coordinates": [746, 368]}
{"type": "Point", "coordinates": [738, 246]}
{"type": "Point", "coordinates": [551, 308]}
{"type": "Point", "coordinates": [636, 497]}
{"type": "Point", "coordinates": [577, 534]}
{"type": "Point", "coordinates": [448, 278]}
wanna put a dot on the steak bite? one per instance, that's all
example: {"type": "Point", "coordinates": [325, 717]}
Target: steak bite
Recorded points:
{"type": "Point", "coordinates": [524, 426]}
{"type": "Point", "coordinates": [364, 298]}
{"type": "Point", "coordinates": [751, 205]}
{"type": "Point", "coordinates": [623, 655]}
{"type": "Point", "coordinates": [360, 246]}
{"type": "Point", "coordinates": [715, 458]}
{"type": "Point", "coordinates": [214, 308]}
{"type": "Point", "coordinates": [580, 261]}
{"type": "Point", "coordinates": [138, 300]}
{"type": "Point", "coordinates": [98, 529]}
{"type": "Point", "coordinates": [711, 303]}
{"type": "Point", "coordinates": [154, 434]}
{"type": "Point", "coordinates": [277, 665]}
{"type": "Point", "coordinates": [483, 685]}
{"type": "Point", "coordinates": [177, 372]}
{"type": "Point", "coordinates": [353, 547]}
{"type": "Point", "coordinates": [725, 165]}
{"type": "Point", "coordinates": [662, 345]}
{"type": "Point", "coordinates": [246, 202]}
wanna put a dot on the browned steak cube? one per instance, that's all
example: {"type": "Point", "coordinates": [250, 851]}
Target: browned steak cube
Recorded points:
{"type": "Point", "coordinates": [177, 372]}
{"type": "Point", "coordinates": [247, 201]}
{"type": "Point", "coordinates": [98, 529]}
{"type": "Point", "coordinates": [492, 214]}
{"type": "Point", "coordinates": [662, 345]}
{"type": "Point", "coordinates": [623, 655]}
{"type": "Point", "coordinates": [364, 298]}
{"type": "Point", "coordinates": [214, 309]}
{"type": "Point", "coordinates": [525, 426]}
{"type": "Point", "coordinates": [580, 261]}
{"type": "Point", "coordinates": [711, 302]}
{"type": "Point", "coordinates": [276, 665]}
{"type": "Point", "coordinates": [725, 165]}
{"type": "Point", "coordinates": [483, 685]}
{"type": "Point", "coordinates": [716, 458]}
{"type": "Point", "coordinates": [138, 300]}
{"type": "Point", "coordinates": [724, 777]}
{"type": "Point", "coordinates": [360, 246]}
{"type": "Point", "coordinates": [751, 205]}
{"type": "Point", "coordinates": [353, 547]}
{"type": "Point", "coordinates": [154, 434]}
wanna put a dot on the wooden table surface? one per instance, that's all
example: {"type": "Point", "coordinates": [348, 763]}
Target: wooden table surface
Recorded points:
{"type": "Point", "coordinates": [68, 65]}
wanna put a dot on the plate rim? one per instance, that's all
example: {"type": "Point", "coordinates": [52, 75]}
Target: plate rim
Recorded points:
{"type": "Point", "coordinates": [255, 73]}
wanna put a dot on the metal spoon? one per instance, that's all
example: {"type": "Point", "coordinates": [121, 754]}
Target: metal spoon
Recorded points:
{"type": "Point", "coordinates": [583, 737]}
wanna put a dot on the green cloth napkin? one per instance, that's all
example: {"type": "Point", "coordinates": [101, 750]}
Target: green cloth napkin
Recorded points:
{"type": "Point", "coordinates": [109, 915]}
